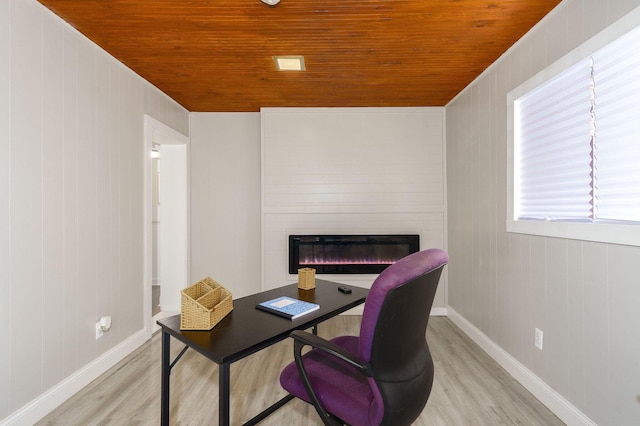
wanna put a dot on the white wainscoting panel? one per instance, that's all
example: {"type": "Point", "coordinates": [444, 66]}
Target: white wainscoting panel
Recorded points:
{"type": "Point", "coordinates": [351, 171]}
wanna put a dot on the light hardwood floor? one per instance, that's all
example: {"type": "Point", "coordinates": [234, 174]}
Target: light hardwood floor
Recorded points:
{"type": "Point", "coordinates": [469, 388]}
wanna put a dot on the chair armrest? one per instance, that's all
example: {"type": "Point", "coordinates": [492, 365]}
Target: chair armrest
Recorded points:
{"type": "Point", "coordinates": [304, 338]}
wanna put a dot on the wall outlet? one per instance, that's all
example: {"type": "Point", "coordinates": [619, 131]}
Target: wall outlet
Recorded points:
{"type": "Point", "coordinates": [102, 325]}
{"type": "Point", "coordinates": [539, 337]}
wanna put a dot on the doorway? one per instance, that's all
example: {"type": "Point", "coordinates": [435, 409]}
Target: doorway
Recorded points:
{"type": "Point", "coordinates": [166, 221]}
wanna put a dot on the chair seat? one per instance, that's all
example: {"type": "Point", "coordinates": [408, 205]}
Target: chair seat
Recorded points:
{"type": "Point", "coordinates": [348, 393]}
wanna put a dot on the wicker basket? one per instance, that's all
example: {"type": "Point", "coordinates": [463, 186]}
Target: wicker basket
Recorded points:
{"type": "Point", "coordinates": [306, 278]}
{"type": "Point", "coordinates": [204, 304]}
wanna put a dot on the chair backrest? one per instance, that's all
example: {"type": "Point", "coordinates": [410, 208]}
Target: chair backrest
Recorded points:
{"type": "Point", "coordinates": [393, 335]}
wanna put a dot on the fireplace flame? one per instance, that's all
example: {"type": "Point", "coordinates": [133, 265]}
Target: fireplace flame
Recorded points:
{"type": "Point", "coordinates": [342, 261]}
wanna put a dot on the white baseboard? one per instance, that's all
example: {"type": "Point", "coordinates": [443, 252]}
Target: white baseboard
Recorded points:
{"type": "Point", "coordinates": [358, 310]}
{"type": "Point", "coordinates": [438, 312]}
{"type": "Point", "coordinates": [558, 405]}
{"type": "Point", "coordinates": [51, 399]}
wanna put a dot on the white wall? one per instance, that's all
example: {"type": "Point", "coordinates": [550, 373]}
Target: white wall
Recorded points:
{"type": "Point", "coordinates": [5, 200]}
{"type": "Point", "coordinates": [226, 173]}
{"type": "Point", "coordinates": [225, 200]}
{"type": "Point", "coordinates": [173, 232]}
{"type": "Point", "coordinates": [351, 170]}
{"type": "Point", "coordinates": [71, 185]}
{"type": "Point", "coordinates": [583, 295]}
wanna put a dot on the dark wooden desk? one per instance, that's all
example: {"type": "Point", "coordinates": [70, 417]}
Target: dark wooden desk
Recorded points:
{"type": "Point", "coordinates": [247, 330]}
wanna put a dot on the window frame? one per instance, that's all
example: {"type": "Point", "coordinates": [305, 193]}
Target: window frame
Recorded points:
{"type": "Point", "coordinates": [616, 233]}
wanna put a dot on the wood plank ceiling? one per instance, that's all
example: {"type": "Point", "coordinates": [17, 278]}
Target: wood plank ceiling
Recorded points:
{"type": "Point", "coordinates": [216, 55]}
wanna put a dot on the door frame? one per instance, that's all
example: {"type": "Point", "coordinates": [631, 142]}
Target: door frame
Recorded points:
{"type": "Point", "coordinates": [156, 132]}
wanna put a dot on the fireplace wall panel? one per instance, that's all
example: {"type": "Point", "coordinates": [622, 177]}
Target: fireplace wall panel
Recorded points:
{"type": "Point", "coordinates": [350, 171]}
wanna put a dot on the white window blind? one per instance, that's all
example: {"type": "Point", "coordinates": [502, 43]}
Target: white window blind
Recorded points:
{"type": "Point", "coordinates": [552, 148]}
{"type": "Point", "coordinates": [617, 121]}
{"type": "Point", "coordinates": [577, 140]}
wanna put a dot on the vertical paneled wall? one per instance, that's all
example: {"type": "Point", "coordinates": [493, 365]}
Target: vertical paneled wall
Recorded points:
{"type": "Point", "coordinates": [225, 200]}
{"type": "Point", "coordinates": [583, 295]}
{"type": "Point", "coordinates": [5, 199]}
{"type": "Point", "coordinates": [71, 182]}
{"type": "Point", "coordinates": [351, 171]}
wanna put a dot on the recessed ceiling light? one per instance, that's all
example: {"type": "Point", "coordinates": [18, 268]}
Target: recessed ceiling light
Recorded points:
{"type": "Point", "coordinates": [289, 63]}
{"type": "Point", "coordinates": [271, 2]}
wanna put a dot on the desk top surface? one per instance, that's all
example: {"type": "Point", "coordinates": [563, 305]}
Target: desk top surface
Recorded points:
{"type": "Point", "coordinates": [247, 330]}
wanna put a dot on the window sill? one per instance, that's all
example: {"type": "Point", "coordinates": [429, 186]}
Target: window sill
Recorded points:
{"type": "Point", "coordinates": [624, 234]}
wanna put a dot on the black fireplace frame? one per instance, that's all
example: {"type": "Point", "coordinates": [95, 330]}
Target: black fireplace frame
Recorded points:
{"type": "Point", "coordinates": [405, 244]}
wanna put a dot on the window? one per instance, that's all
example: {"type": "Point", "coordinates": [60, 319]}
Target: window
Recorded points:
{"type": "Point", "coordinates": [553, 148]}
{"type": "Point", "coordinates": [575, 145]}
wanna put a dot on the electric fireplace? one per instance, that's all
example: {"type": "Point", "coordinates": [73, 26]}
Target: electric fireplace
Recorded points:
{"type": "Point", "coordinates": [349, 254]}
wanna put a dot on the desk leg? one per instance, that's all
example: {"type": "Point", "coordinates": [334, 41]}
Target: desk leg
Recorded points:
{"type": "Point", "coordinates": [166, 371]}
{"type": "Point", "coordinates": [224, 395]}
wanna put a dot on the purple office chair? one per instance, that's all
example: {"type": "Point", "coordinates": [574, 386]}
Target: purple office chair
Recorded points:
{"type": "Point", "coordinates": [384, 376]}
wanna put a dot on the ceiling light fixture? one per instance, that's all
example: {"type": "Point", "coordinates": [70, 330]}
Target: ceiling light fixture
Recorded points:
{"type": "Point", "coordinates": [270, 2]}
{"type": "Point", "coordinates": [289, 63]}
